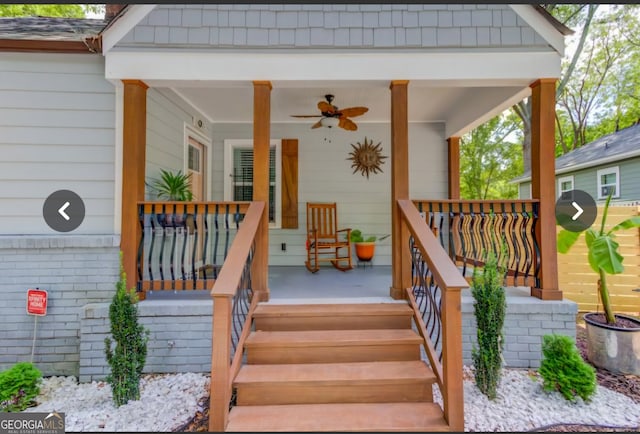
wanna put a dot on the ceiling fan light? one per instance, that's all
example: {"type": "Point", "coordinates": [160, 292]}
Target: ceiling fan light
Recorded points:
{"type": "Point", "coordinates": [330, 122]}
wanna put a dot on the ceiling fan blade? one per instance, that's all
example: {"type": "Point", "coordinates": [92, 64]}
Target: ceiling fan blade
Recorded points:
{"type": "Point", "coordinates": [353, 111]}
{"type": "Point", "coordinates": [306, 116]}
{"type": "Point", "coordinates": [347, 124]}
{"type": "Point", "coordinates": [317, 124]}
{"type": "Point", "coordinates": [326, 107]}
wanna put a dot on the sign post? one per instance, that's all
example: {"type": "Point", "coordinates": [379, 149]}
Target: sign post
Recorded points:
{"type": "Point", "coordinates": [37, 306]}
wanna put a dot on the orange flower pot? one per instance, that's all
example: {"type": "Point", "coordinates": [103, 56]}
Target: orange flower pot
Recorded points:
{"type": "Point", "coordinates": [365, 251]}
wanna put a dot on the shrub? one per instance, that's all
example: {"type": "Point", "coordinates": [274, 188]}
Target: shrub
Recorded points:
{"type": "Point", "coordinates": [19, 385]}
{"type": "Point", "coordinates": [563, 369]}
{"type": "Point", "coordinates": [128, 357]}
{"type": "Point", "coordinates": [489, 309]}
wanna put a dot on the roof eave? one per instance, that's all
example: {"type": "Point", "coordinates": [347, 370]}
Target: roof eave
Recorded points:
{"type": "Point", "coordinates": [43, 46]}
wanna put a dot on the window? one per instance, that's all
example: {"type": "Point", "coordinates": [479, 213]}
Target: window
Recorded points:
{"type": "Point", "coordinates": [565, 184]}
{"type": "Point", "coordinates": [608, 181]}
{"type": "Point", "coordinates": [238, 183]}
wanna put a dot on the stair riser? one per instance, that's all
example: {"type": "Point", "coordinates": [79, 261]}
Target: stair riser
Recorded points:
{"type": "Point", "coordinates": [266, 354]}
{"type": "Point", "coordinates": [332, 323]}
{"type": "Point", "coordinates": [283, 393]}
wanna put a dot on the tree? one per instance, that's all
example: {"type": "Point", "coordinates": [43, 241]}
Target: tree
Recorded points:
{"type": "Point", "coordinates": [48, 10]}
{"type": "Point", "coordinates": [571, 15]}
{"type": "Point", "coordinates": [489, 160]}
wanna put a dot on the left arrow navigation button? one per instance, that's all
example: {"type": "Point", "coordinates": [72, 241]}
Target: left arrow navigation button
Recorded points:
{"type": "Point", "coordinates": [63, 211]}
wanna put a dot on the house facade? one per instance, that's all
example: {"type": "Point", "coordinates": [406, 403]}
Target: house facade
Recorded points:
{"type": "Point", "coordinates": [207, 88]}
{"type": "Point", "coordinates": [609, 164]}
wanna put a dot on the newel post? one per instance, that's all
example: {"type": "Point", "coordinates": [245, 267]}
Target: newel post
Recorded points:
{"type": "Point", "coordinates": [543, 103]}
{"type": "Point", "coordinates": [453, 395]}
{"type": "Point", "coordinates": [219, 386]}
{"type": "Point", "coordinates": [133, 167]}
{"type": "Point", "coordinates": [400, 261]}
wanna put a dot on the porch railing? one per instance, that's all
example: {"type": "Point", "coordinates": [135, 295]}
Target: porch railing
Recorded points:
{"type": "Point", "coordinates": [184, 244]}
{"type": "Point", "coordinates": [234, 301]}
{"type": "Point", "coordinates": [435, 299]}
{"type": "Point", "coordinates": [468, 229]}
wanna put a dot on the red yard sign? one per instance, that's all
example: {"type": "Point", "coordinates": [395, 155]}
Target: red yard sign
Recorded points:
{"type": "Point", "coordinates": [37, 302]}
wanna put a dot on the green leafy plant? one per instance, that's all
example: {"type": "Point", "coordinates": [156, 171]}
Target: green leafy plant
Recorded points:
{"type": "Point", "coordinates": [19, 385]}
{"type": "Point", "coordinates": [128, 357]}
{"type": "Point", "coordinates": [563, 369]}
{"type": "Point", "coordinates": [174, 186]}
{"type": "Point", "coordinates": [490, 310]}
{"type": "Point", "coordinates": [603, 254]}
{"type": "Point", "coordinates": [357, 237]}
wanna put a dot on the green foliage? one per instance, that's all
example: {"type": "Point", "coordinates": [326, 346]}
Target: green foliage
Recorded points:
{"type": "Point", "coordinates": [603, 255]}
{"type": "Point", "coordinates": [357, 237]}
{"type": "Point", "coordinates": [563, 369]}
{"type": "Point", "coordinates": [489, 309]}
{"type": "Point", "coordinates": [43, 10]}
{"type": "Point", "coordinates": [19, 385]}
{"type": "Point", "coordinates": [489, 159]}
{"type": "Point", "coordinates": [172, 185]}
{"type": "Point", "coordinates": [128, 357]}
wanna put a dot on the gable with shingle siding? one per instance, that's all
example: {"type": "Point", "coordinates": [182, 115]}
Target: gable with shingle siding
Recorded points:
{"type": "Point", "coordinates": [376, 26]}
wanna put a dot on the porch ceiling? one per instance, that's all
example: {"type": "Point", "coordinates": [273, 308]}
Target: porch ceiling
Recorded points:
{"type": "Point", "coordinates": [458, 107]}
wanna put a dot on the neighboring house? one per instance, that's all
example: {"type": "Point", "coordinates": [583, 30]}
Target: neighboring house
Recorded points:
{"type": "Point", "coordinates": [608, 164]}
{"type": "Point", "coordinates": [203, 88]}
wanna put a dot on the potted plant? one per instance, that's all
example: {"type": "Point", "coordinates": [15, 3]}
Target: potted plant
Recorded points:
{"type": "Point", "coordinates": [172, 186]}
{"type": "Point", "coordinates": [613, 340]}
{"type": "Point", "coordinates": [365, 246]}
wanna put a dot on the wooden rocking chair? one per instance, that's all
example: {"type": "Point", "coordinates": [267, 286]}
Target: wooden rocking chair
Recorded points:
{"type": "Point", "coordinates": [324, 240]}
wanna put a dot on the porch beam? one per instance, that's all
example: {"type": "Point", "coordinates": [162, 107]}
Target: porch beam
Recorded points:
{"type": "Point", "coordinates": [133, 172]}
{"type": "Point", "coordinates": [454, 167]}
{"type": "Point", "coordinates": [400, 261]}
{"type": "Point", "coordinates": [543, 183]}
{"type": "Point", "coordinates": [261, 146]}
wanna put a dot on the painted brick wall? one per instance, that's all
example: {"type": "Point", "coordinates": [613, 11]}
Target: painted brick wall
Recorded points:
{"type": "Point", "coordinates": [179, 341]}
{"type": "Point", "coordinates": [334, 26]}
{"type": "Point", "coordinates": [75, 270]}
{"type": "Point", "coordinates": [527, 320]}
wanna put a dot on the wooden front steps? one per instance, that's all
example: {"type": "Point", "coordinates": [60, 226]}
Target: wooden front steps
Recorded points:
{"type": "Point", "coordinates": [330, 367]}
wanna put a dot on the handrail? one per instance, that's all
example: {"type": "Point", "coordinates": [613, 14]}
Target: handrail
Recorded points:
{"type": "Point", "coordinates": [184, 244]}
{"type": "Point", "coordinates": [471, 228]}
{"type": "Point", "coordinates": [443, 275]}
{"type": "Point", "coordinates": [224, 290]}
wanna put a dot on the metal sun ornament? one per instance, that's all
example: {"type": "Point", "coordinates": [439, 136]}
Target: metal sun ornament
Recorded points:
{"type": "Point", "coordinates": [366, 157]}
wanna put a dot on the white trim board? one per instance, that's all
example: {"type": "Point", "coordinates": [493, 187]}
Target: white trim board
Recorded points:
{"type": "Point", "coordinates": [472, 67]}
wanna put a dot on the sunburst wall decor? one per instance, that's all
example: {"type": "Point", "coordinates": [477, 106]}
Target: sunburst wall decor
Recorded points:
{"type": "Point", "coordinates": [366, 157]}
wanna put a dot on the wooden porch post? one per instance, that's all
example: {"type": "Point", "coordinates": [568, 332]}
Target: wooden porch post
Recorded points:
{"type": "Point", "coordinates": [543, 184]}
{"type": "Point", "coordinates": [454, 167]}
{"type": "Point", "coordinates": [261, 143]}
{"type": "Point", "coordinates": [133, 167]}
{"type": "Point", "coordinates": [400, 261]}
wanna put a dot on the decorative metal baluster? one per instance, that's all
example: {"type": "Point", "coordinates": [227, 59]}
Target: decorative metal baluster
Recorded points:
{"type": "Point", "coordinates": [205, 242]}
{"type": "Point", "coordinates": [140, 254]}
{"type": "Point", "coordinates": [536, 247]}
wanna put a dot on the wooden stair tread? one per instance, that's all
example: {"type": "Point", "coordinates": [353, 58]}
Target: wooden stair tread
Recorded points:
{"type": "Point", "coordinates": [305, 310]}
{"type": "Point", "coordinates": [327, 373]}
{"type": "Point", "coordinates": [409, 416]}
{"type": "Point", "coordinates": [334, 338]}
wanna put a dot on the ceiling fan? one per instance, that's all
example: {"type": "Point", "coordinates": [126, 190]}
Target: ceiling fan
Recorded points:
{"type": "Point", "coordinates": [333, 116]}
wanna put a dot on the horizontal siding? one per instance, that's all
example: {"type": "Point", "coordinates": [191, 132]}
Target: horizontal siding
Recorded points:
{"type": "Point", "coordinates": [587, 180]}
{"type": "Point", "coordinates": [325, 175]}
{"type": "Point", "coordinates": [334, 26]}
{"type": "Point", "coordinates": [524, 190]}
{"type": "Point", "coordinates": [57, 122]}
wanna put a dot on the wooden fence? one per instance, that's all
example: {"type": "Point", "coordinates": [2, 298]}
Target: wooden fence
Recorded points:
{"type": "Point", "coordinates": [578, 281]}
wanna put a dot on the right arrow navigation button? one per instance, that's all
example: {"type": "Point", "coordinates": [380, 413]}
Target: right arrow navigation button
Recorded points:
{"type": "Point", "coordinates": [576, 210]}
{"type": "Point", "coordinates": [579, 213]}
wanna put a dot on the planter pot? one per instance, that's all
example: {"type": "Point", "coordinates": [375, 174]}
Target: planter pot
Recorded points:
{"type": "Point", "coordinates": [365, 251]}
{"type": "Point", "coordinates": [613, 348]}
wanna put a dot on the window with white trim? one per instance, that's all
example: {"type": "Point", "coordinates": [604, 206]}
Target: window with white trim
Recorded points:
{"type": "Point", "coordinates": [608, 181]}
{"type": "Point", "coordinates": [565, 184]}
{"type": "Point", "coordinates": [238, 180]}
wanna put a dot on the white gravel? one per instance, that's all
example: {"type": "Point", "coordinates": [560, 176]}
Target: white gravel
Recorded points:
{"type": "Point", "coordinates": [166, 403]}
{"type": "Point", "coordinates": [169, 401]}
